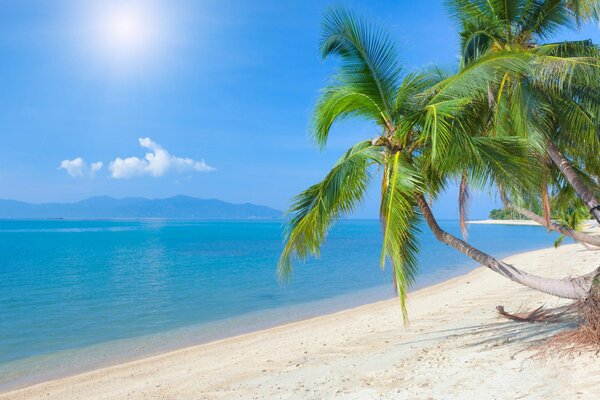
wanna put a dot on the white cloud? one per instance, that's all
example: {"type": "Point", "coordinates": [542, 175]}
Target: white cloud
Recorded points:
{"type": "Point", "coordinates": [77, 167]}
{"type": "Point", "coordinates": [73, 167]}
{"type": "Point", "coordinates": [157, 162]}
{"type": "Point", "coordinates": [95, 167]}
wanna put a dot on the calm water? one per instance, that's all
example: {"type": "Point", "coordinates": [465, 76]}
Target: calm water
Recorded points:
{"type": "Point", "coordinates": [80, 294]}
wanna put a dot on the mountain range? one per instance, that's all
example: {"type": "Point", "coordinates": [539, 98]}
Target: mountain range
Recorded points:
{"type": "Point", "coordinates": [184, 207]}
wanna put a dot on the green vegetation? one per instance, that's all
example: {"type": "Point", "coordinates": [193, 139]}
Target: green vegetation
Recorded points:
{"type": "Point", "coordinates": [518, 114]}
{"type": "Point", "coordinates": [504, 214]}
{"type": "Point", "coordinates": [573, 218]}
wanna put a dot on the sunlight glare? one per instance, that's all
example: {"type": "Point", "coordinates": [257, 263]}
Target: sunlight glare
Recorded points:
{"type": "Point", "coordinates": [125, 31]}
{"type": "Point", "coordinates": [124, 36]}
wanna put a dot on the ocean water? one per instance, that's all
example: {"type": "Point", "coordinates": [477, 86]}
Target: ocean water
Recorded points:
{"type": "Point", "coordinates": [80, 294]}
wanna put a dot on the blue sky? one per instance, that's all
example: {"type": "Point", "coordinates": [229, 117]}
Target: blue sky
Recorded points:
{"type": "Point", "coordinates": [221, 92]}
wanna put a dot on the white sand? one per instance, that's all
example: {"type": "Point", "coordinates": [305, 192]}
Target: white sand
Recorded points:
{"type": "Point", "coordinates": [504, 222]}
{"type": "Point", "coordinates": [589, 226]}
{"type": "Point", "coordinates": [456, 347]}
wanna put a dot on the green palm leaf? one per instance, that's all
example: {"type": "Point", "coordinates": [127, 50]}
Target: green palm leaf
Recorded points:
{"type": "Point", "coordinates": [339, 102]}
{"type": "Point", "coordinates": [475, 79]}
{"type": "Point", "coordinates": [544, 18]}
{"type": "Point", "coordinates": [318, 207]}
{"type": "Point", "coordinates": [400, 220]}
{"type": "Point", "coordinates": [369, 59]}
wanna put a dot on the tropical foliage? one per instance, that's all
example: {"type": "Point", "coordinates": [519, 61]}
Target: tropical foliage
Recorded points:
{"type": "Point", "coordinates": [485, 125]}
{"type": "Point", "coordinates": [504, 214]}
{"type": "Point", "coordinates": [554, 103]}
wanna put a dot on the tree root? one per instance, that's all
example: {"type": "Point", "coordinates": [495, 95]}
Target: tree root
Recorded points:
{"type": "Point", "coordinates": [568, 342]}
{"type": "Point", "coordinates": [539, 314]}
{"type": "Point", "coordinates": [586, 336]}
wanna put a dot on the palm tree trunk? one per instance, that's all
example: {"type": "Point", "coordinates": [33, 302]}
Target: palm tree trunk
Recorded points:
{"type": "Point", "coordinates": [578, 236]}
{"type": "Point", "coordinates": [582, 190]}
{"type": "Point", "coordinates": [577, 288]}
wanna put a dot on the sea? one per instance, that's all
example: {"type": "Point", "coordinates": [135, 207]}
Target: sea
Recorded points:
{"type": "Point", "coordinates": [76, 295]}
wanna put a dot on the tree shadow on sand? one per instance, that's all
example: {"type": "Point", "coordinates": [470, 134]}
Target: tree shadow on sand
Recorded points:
{"type": "Point", "coordinates": [533, 330]}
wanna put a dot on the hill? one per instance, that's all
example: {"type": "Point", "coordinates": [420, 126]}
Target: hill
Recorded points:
{"type": "Point", "coordinates": [135, 207]}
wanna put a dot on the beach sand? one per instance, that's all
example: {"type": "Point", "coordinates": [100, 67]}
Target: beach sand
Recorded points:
{"type": "Point", "coordinates": [455, 347]}
{"type": "Point", "coordinates": [590, 226]}
{"type": "Point", "coordinates": [504, 222]}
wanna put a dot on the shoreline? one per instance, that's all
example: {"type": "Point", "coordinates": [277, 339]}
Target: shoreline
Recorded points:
{"type": "Point", "coordinates": [281, 327]}
{"type": "Point", "coordinates": [169, 341]}
{"type": "Point", "coordinates": [590, 226]}
{"type": "Point", "coordinates": [525, 222]}
{"type": "Point", "coordinates": [173, 340]}
{"type": "Point", "coordinates": [301, 350]}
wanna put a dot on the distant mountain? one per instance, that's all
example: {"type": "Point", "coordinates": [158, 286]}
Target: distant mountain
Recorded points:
{"type": "Point", "coordinates": [136, 207]}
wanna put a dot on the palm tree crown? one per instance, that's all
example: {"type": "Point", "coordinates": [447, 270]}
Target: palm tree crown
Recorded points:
{"type": "Point", "coordinates": [555, 101]}
{"type": "Point", "coordinates": [419, 143]}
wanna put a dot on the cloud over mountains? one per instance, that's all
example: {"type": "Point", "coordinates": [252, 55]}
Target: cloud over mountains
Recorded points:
{"type": "Point", "coordinates": [77, 167]}
{"type": "Point", "coordinates": [157, 162]}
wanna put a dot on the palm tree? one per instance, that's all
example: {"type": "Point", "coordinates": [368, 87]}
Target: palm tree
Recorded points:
{"type": "Point", "coordinates": [572, 218]}
{"type": "Point", "coordinates": [420, 145]}
{"type": "Point", "coordinates": [556, 103]}
{"type": "Point", "coordinates": [569, 209]}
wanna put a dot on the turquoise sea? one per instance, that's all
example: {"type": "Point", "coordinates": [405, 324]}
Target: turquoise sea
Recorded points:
{"type": "Point", "coordinates": [80, 294]}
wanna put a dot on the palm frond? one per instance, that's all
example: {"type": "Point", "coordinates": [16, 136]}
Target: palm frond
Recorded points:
{"type": "Point", "coordinates": [338, 102]}
{"type": "Point", "coordinates": [400, 222]}
{"type": "Point", "coordinates": [556, 74]}
{"type": "Point", "coordinates": [490, 160]}
{"type": "Point", "coordinates": [475, 42]}
{"type": "Point", "coordinates": [584, 10]}
{"type": "Point", "coordinates": [317, 208]}
{"type": "Point", "coordinates": [438, 121]}
{"type": "Point", "coordinates": [465, 10]}
{"type": "Point", "coordinates": [412, 85]}
{"type": "Point", "coordinates": [475, 79]}
{"type": "Point", "coordinates": [578, 122]}
{"type": "Point", "coordinates": [369, 59]}
{"type": "Point", "coordinates": [464, 198]}
{"type": "Point", "coordinates": [543, 18]}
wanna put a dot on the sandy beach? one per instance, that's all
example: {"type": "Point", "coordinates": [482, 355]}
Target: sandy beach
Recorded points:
{"type": "Point", "coordinates": [589, 226]}
{"type": "Point", "coordinates": [455, 347]}
{"type": "Point", "coordinates": [527, 222]}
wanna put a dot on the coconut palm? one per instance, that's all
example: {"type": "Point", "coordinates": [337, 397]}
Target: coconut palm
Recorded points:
{"type": "Point", "coordinates": [423, 139]}
{"type": "Point", "coordinates": [572, 218]}
{"type": "Point", "coordinates": [566, 209]}
{"type": "Point", "coordinates": [556, 103]}
{"type": "Point", "coordinates": [550, 205]}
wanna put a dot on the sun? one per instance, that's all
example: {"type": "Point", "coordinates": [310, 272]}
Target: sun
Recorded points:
{"type": "Point", "coordinates": [120, 37]}
{"type": "Point", "coordinates": [124, 31]}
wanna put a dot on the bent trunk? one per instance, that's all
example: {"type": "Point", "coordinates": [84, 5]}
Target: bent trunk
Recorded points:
{"type": "Point", "coordinates": [582, 190]}
{"type": "Point", "coordinates": [577, 288]}
{"type": "Point", "coordinates": [576, 235]}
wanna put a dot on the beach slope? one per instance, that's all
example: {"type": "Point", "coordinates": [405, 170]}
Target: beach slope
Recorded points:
{"type": "Point", "coordinates": [455, 347]}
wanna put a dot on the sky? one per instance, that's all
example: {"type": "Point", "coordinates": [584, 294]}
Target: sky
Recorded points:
{"type": "Point", "coordinates": [206, 98]}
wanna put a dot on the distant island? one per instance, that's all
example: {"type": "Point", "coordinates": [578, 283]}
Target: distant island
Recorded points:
{"type": "Point", "coordinates": [180, 207]}
{"type": "Point", "coordinates": [505, 214]}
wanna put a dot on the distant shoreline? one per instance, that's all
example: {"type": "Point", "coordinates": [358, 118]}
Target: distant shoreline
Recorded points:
{"type": "Point", "coordinates": [140, 219]}
{"type": "Point", "coordinates": [589, 226]}
{"type": "Point", "coordinates": [526, 222]}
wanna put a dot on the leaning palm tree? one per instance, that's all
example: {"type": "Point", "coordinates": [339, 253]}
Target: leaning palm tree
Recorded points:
{"type": "Point", "coordinates": [556, 103]}
{"type": "Point", "coordinates": [574, 219]}
{"type": "Point", "coordinates": [565, 205]}
{"type": "Point", "coordinates": [422, 142]}
{"type": "Point", "coordinates": [554, 197]}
